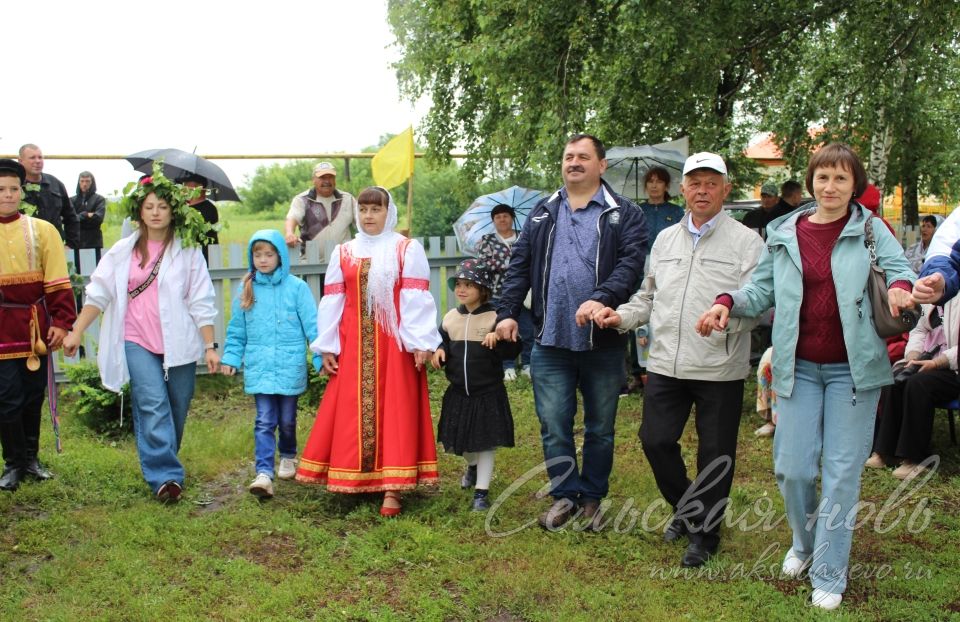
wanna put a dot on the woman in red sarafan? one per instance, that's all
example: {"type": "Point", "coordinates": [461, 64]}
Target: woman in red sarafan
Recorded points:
{"type": "Point", "coordinates": [377, 329]}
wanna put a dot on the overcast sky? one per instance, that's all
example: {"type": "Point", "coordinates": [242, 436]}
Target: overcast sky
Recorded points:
{"type": "Point", "coordinates": [224, 77]}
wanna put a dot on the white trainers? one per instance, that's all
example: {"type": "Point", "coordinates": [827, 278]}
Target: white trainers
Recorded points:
{"type": "Point", "coordinates": [793, 566]}
{"type": "Point", "coordinates": [262, 486]}
{"type": "Point", "coordinates": [509, 375]}
{"type": "Point", "coordinates": [909, 470]}
{"type": "Point", "coordinates": [525, 372]}
{"type": "Point", "coordinates": [288, 468]}
{"type": "Point", "coordinates": [767, 429]}
{"type": "Point", "coordinates": [825, 600]}
{"type": "Point", "coordinates": [875, 461]}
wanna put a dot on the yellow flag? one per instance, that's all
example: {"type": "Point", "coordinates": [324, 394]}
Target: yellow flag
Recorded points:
{"type": "Point", "coordinates": [393, 164]}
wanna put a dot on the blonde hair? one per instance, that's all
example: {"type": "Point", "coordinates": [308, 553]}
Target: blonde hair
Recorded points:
{"type": "Point", "coordinates": [246, 296]}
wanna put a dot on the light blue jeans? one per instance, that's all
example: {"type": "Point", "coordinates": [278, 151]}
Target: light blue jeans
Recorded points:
{"type": "Point", "coordinates": [825, 428]}
{"type": "Point", "coordinates": [274, 412]}
{"type": "Point", "coordinates": [557, 373]}
{"type": "Point", "coordinates": [159, 412]}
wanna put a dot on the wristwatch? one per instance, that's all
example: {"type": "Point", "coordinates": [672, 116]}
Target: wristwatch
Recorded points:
{"type": "Point", "coordinates": [211, 346]}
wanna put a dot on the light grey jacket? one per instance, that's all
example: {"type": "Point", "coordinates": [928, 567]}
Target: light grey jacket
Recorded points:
{"type": "Point", "coordinates": [682, 283]}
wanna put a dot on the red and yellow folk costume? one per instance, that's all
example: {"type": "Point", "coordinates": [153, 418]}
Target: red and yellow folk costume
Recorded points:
{"type": "Point", "coordinates": [373, 430]}
{"type": "Point", "coordinates": [34, 286]}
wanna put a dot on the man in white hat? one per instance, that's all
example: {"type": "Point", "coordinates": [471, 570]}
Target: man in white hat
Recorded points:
{"type": "Point", "coordinates": [322, 213]}
{"type": "Point", "coordinates": [691, 262]}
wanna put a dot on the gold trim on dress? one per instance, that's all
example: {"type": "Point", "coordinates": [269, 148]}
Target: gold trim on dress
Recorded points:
{"type": "Point", "coordinates": [23, 278]}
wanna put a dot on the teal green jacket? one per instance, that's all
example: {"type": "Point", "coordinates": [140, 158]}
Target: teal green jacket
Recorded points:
{"type": "Point", "coordinates": [778, 282]}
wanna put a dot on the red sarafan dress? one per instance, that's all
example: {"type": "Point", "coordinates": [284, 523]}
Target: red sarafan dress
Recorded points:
{"type": "Point", "coordinates": [373, 430]}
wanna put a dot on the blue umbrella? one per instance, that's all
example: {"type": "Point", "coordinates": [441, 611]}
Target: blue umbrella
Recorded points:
{"type": "Point", "coordinates": [476, 222]}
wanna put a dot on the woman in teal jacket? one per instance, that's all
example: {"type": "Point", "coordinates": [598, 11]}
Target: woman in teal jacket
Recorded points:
{"type": "Point", "coordinates": [828, 362]}
{"type": "Point", "coordinates": [274, 318]}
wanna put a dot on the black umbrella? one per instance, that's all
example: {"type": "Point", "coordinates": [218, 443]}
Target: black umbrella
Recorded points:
{"type": "Point", "coordinates": [177, 163]}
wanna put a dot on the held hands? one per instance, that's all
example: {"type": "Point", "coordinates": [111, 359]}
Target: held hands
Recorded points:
{"type": "Point", "coordinates": [899, 299]}
{"type": "Point", "coordinates": [421, 358]}
{"type": "Point", "coordinates": [607, 317]}
{"type": "Point", "coordinates": [490, 340]}
{"type": "Point", "coordinates": [71, 343]}
{"type": "Point", "coordinates": [213, 360]}
{"type": "Point", "coordinates": [55, 337]}
{"type": "Point", "coordinates": [507, 330]}
{"type": "Point", "coordinates": [330, 364]}
{"type": "Point", "coordinates": [714, 319]}
{"type": "Point", "coordinates": [585, 314]}
{"type": "Point", "coordinates": [226, 370]}
{"type": "Point", "coordinates": [929, 289]}
{"type": "Point", "coordinates": [439, 358]}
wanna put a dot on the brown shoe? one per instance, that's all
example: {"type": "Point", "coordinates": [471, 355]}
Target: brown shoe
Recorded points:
{"type": "Point", "coordinates": [592, 517]}
{"type": "Point", "coordinates": [559, 513]}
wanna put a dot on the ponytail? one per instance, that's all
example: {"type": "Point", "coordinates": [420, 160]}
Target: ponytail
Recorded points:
{"type": "Point", "coordinates": [246, 297]}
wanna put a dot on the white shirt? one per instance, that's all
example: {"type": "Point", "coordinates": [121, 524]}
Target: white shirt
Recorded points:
{"type": "Point", "coordinates": [699, 233]}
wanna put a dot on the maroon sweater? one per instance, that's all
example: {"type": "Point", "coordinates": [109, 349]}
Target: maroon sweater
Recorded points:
{"type": "Point", "coordinates": [821, 333]}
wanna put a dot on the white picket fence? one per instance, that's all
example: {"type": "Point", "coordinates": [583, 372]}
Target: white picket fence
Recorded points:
{"type": "Point", "coordinates": [441, 254]}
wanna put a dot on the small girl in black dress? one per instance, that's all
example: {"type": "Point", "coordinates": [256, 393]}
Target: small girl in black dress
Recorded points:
{"type": "Point", "coordinates": [475, 417]}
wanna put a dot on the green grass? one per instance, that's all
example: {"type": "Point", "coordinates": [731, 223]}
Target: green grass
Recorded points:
{"type": "Point", "coordinates": [92, 545]}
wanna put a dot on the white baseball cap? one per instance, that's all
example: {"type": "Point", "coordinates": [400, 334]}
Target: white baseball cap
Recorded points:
{"type": "Point", "coordinates": [704, 159]}
{"type": "Point", "coordinates": [324, 168]}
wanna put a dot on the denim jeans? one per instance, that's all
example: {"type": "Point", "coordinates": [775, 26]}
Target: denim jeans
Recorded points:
{"type": "Point", "coordinates": [826, 419]}
{"type": "Point", "coordinates": [273, 412]}
{"type": "Point", "coordinates": [557, 373]}
{"type": "Point", "coordinates": [527, 338]}
{"type": "Point", "coordinates": [159, 412]}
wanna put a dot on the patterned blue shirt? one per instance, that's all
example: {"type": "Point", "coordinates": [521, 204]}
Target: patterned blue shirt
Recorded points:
{"type": "Point", "coordinates": [573, 273]}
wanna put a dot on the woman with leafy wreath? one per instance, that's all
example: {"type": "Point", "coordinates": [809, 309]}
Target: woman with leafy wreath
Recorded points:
{"type": "Point", "coordinates": [157, 301]}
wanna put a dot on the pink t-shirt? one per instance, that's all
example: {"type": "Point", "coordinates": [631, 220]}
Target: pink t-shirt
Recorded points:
{"type": "Point", "coordinates": [142, 322]}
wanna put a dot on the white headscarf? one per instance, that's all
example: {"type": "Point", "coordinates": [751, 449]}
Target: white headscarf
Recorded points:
{"type": "Point", "coordinates": [384, 267]}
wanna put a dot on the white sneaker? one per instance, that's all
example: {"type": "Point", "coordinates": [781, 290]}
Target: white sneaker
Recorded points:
{"type": "Point", "coordinates": [875, 461]}
{"type": "Point", "coordinates": [825, 600]}
{"type": "Point", "coordinates": [908, 470]}
{"type": "Point", "coordinates": [288, 468]}
{"type": "Point", "coordinates": [262, 486]}
{"type": "Point", "coordinates": [509, 375]}
{"type": "Point", "coordinates": [525, 371]}
{"type": "Point", "coordinates": [767, 429]}
{"type": "Point", "coordinates": [793, 566]}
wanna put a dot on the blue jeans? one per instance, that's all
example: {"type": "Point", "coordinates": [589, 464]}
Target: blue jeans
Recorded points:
{"type": "Point", "coordinates": [557, 373]}
{"type": "Point", "coordinates": [274, 411]}
{"type": "Point", "coordinates": [159, 412]}
{"type": "Point", "coordinates": [527, 338]}
{"type": "Point", "coordinates": [825, 419]}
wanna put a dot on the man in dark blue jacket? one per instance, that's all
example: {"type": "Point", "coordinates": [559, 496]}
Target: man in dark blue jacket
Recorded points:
{"type": "Point", "coordinates": [581, 249]}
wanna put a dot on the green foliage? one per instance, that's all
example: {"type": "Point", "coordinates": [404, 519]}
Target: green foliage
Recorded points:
{"type": "Point", "coordinates": [880, 71]}
{"type": "Point", "coordinates": [189, 225]}
{"type": "Point", "coordinates": [95, 406]}
{"type": "Point", "coordinates": [316, 385]}
{"type": "Point", "coordinates": [440, 192]}
{"type": "Point", "coordinates": [510, 80]}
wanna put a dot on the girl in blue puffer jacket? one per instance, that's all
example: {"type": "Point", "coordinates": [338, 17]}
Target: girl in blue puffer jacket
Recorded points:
{"type": "Point", "coordinates": [274, 318]}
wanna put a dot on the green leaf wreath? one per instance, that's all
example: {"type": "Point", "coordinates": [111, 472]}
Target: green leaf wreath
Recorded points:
{"type": "Point", "coordinates": [29, 199]}
{"type": "Point", "coordinates": [188, 224]}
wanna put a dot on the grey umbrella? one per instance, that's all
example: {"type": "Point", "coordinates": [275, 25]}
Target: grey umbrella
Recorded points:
{"type": "Point", "coordinates": [177, 163]}
{"type": "Point", "coordinates": [626, 167]}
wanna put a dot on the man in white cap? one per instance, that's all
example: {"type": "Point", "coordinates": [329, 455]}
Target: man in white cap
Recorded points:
{"type": "Point", "coordinates": [322, 213]}
{"type": "Point", "coordinates": [691, 262]}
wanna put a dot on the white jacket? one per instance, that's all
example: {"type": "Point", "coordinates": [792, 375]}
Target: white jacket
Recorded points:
{"type": "Point", "coordinates": [951, 321]}
{"type": "Point", "coordinates": [187, 302]}
{"type": "Point", "coordinates": [680, 284]}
